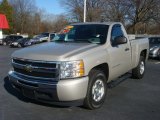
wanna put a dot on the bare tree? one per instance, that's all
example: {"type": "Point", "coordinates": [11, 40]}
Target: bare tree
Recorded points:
{"type": "Point", "coordinates": [59, 23]}
{"type": "Point", "coordinates": [135, 14]}
{"type": "Point", "coordinates": [143, 11]}
{"type": "Point", "coordinates": [23, 9]}
{"type": "Point", "coordinates": [75, 9]}
{"type": "Point", "coordinates": [116, 10]}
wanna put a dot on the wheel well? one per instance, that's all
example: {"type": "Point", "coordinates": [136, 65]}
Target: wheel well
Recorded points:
{"type": "Point", "coordinates": [103, 67]}
{"type": "Point", "coordinates": [144, 53]}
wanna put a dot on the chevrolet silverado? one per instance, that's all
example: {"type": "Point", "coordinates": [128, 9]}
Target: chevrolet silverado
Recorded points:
{"type": "Point", "coordinates": [77, 65]}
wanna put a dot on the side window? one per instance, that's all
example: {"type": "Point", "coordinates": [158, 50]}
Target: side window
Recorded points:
{"type": "Point", "coordinates": [19, 37]}
{"type": "Point", "coordinates": [11, 37]}
{"type": "Point", "coordinates": [52, 36]}
{"type": "Point", "coordinates": [116, 32]}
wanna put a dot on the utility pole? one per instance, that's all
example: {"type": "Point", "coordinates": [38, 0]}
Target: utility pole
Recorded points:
{"type": "Point", "coordinates": [85, 5]}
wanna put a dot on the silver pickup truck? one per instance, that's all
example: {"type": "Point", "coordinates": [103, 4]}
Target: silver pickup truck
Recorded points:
{"type": "Point", "coordinates": [77, 65]}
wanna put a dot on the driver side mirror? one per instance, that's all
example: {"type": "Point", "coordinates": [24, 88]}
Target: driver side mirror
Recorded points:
{"type": "Point", "coordinates": [119, 40]}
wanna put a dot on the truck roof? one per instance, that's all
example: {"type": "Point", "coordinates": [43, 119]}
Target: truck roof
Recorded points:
{"type": "Point", "coordinates": [103, 23]}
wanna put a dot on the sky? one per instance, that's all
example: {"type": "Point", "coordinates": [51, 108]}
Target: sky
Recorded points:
{"type": "Point", "coordinates": [51, 6]}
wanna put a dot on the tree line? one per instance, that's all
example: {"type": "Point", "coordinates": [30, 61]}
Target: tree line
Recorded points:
{"type": "Point", "coordinates": [26, 18]}
{"type": "Point", "coordinates": [138, 16]}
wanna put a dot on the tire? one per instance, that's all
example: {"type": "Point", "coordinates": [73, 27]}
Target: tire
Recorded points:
{"type": "Point", "coordinates": [4, 43]}
{"type": "Point", "coordinates": [97, 80]}
{"type": "Point", "coordinates": [139, 71]}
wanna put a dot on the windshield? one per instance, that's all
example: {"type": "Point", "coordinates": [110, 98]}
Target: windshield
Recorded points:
{"type": "Point", "coordinates": [41, 35]}
{"type": "Point", "coordinates": [23, 40]}
{"type": "Point", "coordinates": [13, 38]}
{"type": "Point", "coordinates": [94, 33]}
{"type": "Point", "coordinates": [154, 40]}
{"type": "Point", "coordinates": [45, 34]}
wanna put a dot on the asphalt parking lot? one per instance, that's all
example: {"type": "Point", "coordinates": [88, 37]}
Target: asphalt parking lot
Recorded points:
{"type": "Point", "coordinates": [130, 100]}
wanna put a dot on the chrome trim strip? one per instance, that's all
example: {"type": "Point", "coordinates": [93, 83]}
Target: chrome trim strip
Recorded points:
{"type": "Point", "coordinates": [33, 82]}
{"type": "Point", "coordinates": [35, 69]}
{"type": "Point", "coordinates": [38, 78]}
{"type": "Point", "coordinates": [38, 61]}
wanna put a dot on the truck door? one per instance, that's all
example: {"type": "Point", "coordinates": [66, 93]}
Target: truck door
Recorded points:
{"type": "Point", "coordinates": [120, 55]}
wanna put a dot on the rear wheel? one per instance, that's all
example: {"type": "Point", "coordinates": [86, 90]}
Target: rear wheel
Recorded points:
{"type": "Point", "coordinates": [97, 89]}
{"type": "Point", "coordinates": [139, 71]}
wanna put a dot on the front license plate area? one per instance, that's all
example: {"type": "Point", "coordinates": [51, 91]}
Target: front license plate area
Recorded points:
{"type": "Point", "coordinates": [28, 93]}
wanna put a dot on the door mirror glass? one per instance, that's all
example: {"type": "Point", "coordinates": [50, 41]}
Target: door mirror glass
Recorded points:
{"type": "Point", "coordinates": [119, 40]}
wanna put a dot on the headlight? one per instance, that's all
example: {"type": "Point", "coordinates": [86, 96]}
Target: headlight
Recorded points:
{"type": "Point", "coordinates": [11, 70]}
{"type": "Point", "coordinates": [72, 69]}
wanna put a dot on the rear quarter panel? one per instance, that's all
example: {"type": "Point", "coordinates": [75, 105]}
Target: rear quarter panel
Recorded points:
{"type": "Point", "coordinates": [138, 45]}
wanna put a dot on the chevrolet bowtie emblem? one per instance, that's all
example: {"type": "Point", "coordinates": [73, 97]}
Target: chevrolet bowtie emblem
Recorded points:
{"type": "Point", "coordinates": [28, 68]}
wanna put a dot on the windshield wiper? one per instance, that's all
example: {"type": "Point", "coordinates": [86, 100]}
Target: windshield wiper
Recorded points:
{"type": "Point", "coordinates": [83, 40]}
{"type": "Point", "coordinates": [76, 41]}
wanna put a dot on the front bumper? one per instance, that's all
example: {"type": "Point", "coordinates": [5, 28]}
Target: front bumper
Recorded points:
{"type": "Point", "coordinates": [13, 45]}
{"type": "Point", "coordinates": [153, 54]}
{"type": "Point", "coordinates": [63, 92]}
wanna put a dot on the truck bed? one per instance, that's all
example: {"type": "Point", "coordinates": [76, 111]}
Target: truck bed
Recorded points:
{"type": "Point", "coordinates": [138, 45]}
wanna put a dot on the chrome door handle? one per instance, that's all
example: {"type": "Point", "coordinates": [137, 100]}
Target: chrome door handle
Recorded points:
{"type": "Point", "coordinates": [127, 49]}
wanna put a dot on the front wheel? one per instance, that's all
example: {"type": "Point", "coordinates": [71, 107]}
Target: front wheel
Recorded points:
{"type": "Point", "coordinates": [97, 89]}
{"type": "Point", "coordinates": [139, 71]}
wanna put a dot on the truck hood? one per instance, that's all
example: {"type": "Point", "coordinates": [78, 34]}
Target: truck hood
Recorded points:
{"type": "Point", "coordinates": [53, 51]}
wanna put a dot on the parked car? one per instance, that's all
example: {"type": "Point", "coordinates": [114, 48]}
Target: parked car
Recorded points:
{"type": "Point", "coordinates": [154, 43]}
{"type": "Point", "coordinates": [76, 68]}
{"type": "Point", "coordinates": [1, 41]}
{"type": "Point", "coordinates": [43, 37]}
{"type": "Point", "coordinates": [23, 42]}
{"type": "Point", "coordinates": [10, 39]}
{"type": "Point", "coordinates": [51, 36]}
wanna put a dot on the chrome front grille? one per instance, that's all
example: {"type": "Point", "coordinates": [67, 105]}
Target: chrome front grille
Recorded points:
{"type": "Point", "coordinates": [36, 69]}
